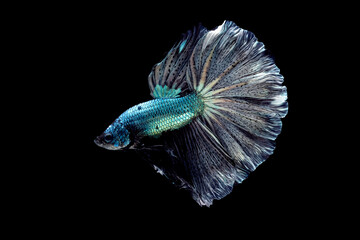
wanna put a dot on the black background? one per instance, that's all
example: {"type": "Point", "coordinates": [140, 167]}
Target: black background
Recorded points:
{"type": "Point", "coordinates": [98, 58]}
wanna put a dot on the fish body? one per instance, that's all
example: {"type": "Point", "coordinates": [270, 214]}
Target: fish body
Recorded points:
{"type": "Point", "coordinates": [150, 119]}
{"type": "Point", "coordinates": [153, 117]}
{"type": "Point", "coordinates": [219, 98]}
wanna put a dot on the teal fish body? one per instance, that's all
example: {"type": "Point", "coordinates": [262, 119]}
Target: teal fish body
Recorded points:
{"type": "Point", "coordinates": [220, 98]}
{"type": "Point", "coordinates": [150, 119]}
{"type": "Point", "coordinates": [153, 117]}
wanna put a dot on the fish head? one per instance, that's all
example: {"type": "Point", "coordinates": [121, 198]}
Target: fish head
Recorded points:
{"type": "Point", "coordinates": [115, 137]}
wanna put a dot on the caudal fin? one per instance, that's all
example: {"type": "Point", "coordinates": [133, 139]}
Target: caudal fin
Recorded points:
{"type": "Point", "coordinates": [242, 90]}
{"type": "Point", "coordinates": [244, 100]}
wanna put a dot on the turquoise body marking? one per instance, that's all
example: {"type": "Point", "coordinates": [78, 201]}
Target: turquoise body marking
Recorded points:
{"type": "Point", "coordinates": [182, 45]}
{"type": "Point", "coordinates": [153, 117]}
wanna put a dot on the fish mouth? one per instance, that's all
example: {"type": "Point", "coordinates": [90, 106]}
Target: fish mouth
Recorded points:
{"type": "Point", "coordinates": [97, 141]}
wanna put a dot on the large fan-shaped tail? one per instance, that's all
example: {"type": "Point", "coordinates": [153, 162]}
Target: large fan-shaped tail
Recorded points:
{"type": "Point", "coordinates": [242, 90]}
{"type": "Point", "coordinates": [244, 102]}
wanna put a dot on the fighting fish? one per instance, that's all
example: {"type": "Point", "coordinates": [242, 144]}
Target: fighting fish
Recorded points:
{"type": "Point", "coordinates": [218, 101]}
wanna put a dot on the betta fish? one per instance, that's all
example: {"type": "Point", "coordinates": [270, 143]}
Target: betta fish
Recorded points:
{"type": "Point", "coordinates": [216, 111]}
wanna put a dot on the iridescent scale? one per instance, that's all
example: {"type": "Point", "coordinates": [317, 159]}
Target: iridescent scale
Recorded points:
{"type": "Point", "coordinates": [153, 117]}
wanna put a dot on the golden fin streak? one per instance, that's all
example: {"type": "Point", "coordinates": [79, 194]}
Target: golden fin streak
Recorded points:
{"type": "Point", "coordinates": [211, 93]}
{"type": "Point", "coordinates": [205, 70]}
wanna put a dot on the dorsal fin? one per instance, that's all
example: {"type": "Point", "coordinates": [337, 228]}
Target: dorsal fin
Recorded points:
{"type": "Point", "coordinates": [165, 92]}
{"type": "Point", "coordinates": [170, 73]}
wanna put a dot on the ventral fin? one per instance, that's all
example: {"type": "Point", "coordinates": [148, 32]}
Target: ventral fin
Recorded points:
{"type": "Point", "coordinates": [165, 92]}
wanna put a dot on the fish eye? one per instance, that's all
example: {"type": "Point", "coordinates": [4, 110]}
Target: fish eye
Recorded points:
{"type": "Point", "coordinates": [107, 137]}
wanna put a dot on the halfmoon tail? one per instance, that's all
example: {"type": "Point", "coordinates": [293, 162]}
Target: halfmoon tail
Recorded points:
{"type": "Point", "coordinates": [244, 99]}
